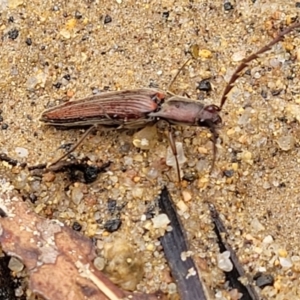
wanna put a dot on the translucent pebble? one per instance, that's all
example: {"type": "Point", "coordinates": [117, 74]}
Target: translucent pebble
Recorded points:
{"type": "Point", "coordinates": [285, 262]}
{"type": "Point", "coordinates": [65, 33]}
{"type": "Point", "coordinates": [137, 192]}
{"type": "Point", "coordinates": [224, 262]}
{"type": "Point", "coordinates": [160, 221]}
{"type": "Point", "coordinates": [244, 118]}
{"type": "Point", "coordinates": [76, 195]}
{"type": "Point", "coordinates": [286, 142]}
{"type": "Point", "coordinates": [172, 288]}
{"type": "Point", "coordinates": [170, 160]}
{"type": "Point", "coordinates": [238, 56]}
{"type": "Point", "coordinates": [152, 173]}
{"type": "Point", "coordinates": [15, 265]}
{"type": "Point", "coordinates": [99, 263]}
{"type": "Point", "coordinates": [256, 225]}
{"type": "Point", "coordinates": [128, 161]}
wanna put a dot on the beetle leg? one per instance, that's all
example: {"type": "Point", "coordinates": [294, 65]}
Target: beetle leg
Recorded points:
{"type": "Point", "coordinates": [74, 147]}
{"type": "Point", "coordinates": [174, 150]}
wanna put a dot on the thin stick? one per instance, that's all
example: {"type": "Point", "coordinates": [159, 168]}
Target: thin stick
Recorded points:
{"type": "Point", "coordinates": [253, 56]}
{"type": "Point", "coordinates": [75, 146]}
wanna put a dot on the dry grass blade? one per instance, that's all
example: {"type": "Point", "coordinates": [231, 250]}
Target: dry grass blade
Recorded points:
{"type": "Point", "coordinates": [174, 244]}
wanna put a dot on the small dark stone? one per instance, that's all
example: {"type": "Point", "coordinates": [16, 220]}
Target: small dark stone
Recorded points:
{"type": "Point", "coordinates": [23, 165]}
{"type": "Point", "coordinates": [57, 85]}
{"type": "Point", "coordinates": [150, 212]}
{"type": "Point", "coordinates": [125, 147]}
{"type": "Point", "coordinates": [276, 92]}
{"type": "Point", "coordinates": [13, 34]}
{"type": "Point", "coordinates": [4, 126]}
{"type": "Point", "coordinates": [263, 280]}
{"type": "Point", "coordinates": [228, 173]}
{"type": "Point", "coordinates": [28, 42]}
{"type": "Point", "coordinates": [78, 15]}
{"type": "Point", "coordinates": [264, 94]}
{"type": "Point", "coordinates": [67, 77]}
{"type": "Point", "coordinates": [32, 198]}
{"type": "Point", "coordinates": [11, 19]}
{"type": "Point", "coordinates": [190, 177]}
{"type": "Point", "coordinates": [297, 4]}
{"type": "Point", "coordinates": [90, 174]}
{"type": "Point", "coordinates": [228, 6]}
{"type": "Point", "coordinates": [66, 146]}
{"type": "Point", "coordinates": [1, 119]}
{"type": "Point", "coordinates": [2, 213]}
{"type": "Point", "coordinates": [76, 226]}
{"type": "Point", "coordinates": [85, 37]}
{"type": "Point", "coordinates": [112, 225]}
{"type": "Point", "coordinates": [166, 14]}
{"type": "Point", "coordinates": [153, 84]}
{"type": "Point", "coordinates": [111, 205]}
{"type": "Point", "coordinates": [107, 19]}
{"type": "Point", "coordinates": [282, 185]}
{"type": "Point", "coordinates": [204, 85]}
{"type": "Point", "coordinates": [248, 72]}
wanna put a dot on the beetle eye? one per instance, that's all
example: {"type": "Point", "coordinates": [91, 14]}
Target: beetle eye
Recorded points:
{"type": "Point", "coordinates": [212, 108]}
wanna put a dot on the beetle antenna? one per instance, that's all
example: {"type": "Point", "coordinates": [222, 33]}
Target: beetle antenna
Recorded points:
{"type": "Point", "coordinates": [253, 56]}
{"type": "Point", "coordinates": [176, 75]}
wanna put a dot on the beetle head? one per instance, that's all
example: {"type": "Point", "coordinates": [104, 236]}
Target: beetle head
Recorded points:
{"type": "Point", "coordinates": [210, 116]}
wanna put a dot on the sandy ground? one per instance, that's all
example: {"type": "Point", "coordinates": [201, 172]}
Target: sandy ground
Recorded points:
{"type": "Point", "coordinates": [65, 49]}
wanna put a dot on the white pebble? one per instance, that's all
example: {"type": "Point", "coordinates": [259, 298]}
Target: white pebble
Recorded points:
{"type": "Point", "coordinates": [285, 262]}
{"type": "Point", "coordinates": [21, 152]}
{"type": "Point", "coordinates": [160, 221]}
{"type": "Point", "coordinates": [224, 262]}
{"type": "Point", "coordinates": [268, 239]}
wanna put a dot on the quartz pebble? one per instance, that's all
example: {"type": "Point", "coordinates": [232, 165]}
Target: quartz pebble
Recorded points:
{"type": "Point", "coordinates": [15, 265]}
{"type": "Point", "coordinates": [224, 262]}
{"type": "Point", "coordinates": [285, 262]}
{"type": "Point", "coordinates": [256, 225]}
{"type": "Point", "coordinates": [170, 159]}
{"type": "Point", "coordinates": [160, 221]}
{"type": "Point", "coordinates": [99, 263]}
{"type": "Point", "coordinates": [76, 195]}
{"type": "Point", "coordinates": [268, 239]}
{"type": "Point", "coordinates": [286, 142]}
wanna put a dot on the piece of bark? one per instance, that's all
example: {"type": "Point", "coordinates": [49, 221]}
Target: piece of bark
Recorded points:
{"type": "Point", "coordinates": [59, 260]}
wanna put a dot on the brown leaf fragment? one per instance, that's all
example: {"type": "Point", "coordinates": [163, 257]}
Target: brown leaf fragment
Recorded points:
{"type": "Point", "coordinates": [58, 259]}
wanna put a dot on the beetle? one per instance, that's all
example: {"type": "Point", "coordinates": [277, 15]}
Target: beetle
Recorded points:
{"type": "Point", "coordinates": [140, 107]}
